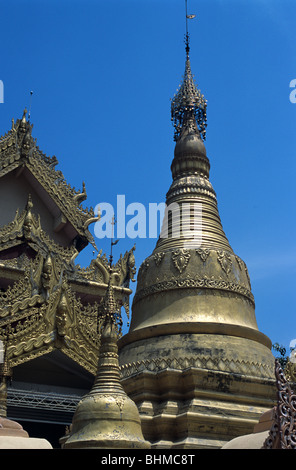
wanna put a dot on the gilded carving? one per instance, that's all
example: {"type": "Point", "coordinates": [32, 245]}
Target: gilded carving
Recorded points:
{"type": "Point", "coordinates": [203, 253]}
{"type": "Point", "coordinates": [43, 311]}
{"type": "Point", "coordinates": [203, 362]}
{"type": "Point", "coordinates": [197, 282]}
{"type": "Point", "coordinates": [197, 185]}
{"type": "Point", "coordinates": [224, 259]}
{"type": "Point", "coordinates": [180, 259]}
{"type": "Point", "coordinates": [122, 272]}
{"type": "Point", "coordinates": [62, 314]}
{"type": "Point", "coordinates": [158, 258]}
{"type": "Point", "coordinates": [240, 263]}
{"type": "Point", "coordinates": [27, 226]}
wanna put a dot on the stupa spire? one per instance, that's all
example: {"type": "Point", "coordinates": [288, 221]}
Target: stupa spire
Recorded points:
{"type": "Point", "coordinates": [106, 417]}
{"type": "Point", "coordinates": [187, 17]}
{"type": "Point", "coordinates": [189, 106]}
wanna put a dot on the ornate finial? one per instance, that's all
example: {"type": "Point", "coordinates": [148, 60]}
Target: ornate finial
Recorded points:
{"type": "Point", "coordinates": [113, 242]}
{"type": "Point", "coordinates": [189, 106]}
{"type": "Point", "coordinates": [109, 311]}
{"type": "Point", "coordinates": [29, 115]}
{"type": "Point", "coordinates": [28, 218]}
{"type": "Point", "coordinates": [24, 116]}
{"type": "Point", "coordinates": [187, 48]}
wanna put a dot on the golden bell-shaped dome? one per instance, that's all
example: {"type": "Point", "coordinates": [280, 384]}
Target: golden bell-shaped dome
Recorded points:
{"type": "Point", "coordinates": [194, 360]}
{"type": "Point", "coordinates": [193, 283]}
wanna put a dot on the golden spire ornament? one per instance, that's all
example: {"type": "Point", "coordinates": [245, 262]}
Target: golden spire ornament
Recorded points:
{"type": "Point", "coordinates": [106, 418]}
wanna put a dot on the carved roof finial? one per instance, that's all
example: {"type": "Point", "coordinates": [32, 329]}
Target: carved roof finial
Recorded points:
{"type": "Point", "coordinates": [113, 242]}
{"type": "Point", "coordinates": [29, 114]}
{"type": "Point", "coordinates": [24, 116]}
{"type": "Point", "coordinates": [109, 308]}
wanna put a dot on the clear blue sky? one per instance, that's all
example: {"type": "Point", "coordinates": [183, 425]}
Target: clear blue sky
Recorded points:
{"type": "Point", "coordinates": [103, 73]}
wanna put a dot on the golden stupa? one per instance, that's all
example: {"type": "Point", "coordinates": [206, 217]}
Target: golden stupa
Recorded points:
{"type": "Point", "coordinates": [106, 418]}
{"type": "Point", "coordinates": [194, 360]}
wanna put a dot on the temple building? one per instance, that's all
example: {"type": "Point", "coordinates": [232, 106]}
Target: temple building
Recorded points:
{"type": "Point", "coordinates": [48, 304]}
{"type": "Point", "coordinates": [194, 360]}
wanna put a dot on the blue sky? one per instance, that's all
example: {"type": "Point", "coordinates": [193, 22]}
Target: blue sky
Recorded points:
{"type": "Point", "coordinates": [102, 75]}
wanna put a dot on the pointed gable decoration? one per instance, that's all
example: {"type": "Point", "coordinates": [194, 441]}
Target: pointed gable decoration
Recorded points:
{"type": "Point", "coordinates": [19, 150]}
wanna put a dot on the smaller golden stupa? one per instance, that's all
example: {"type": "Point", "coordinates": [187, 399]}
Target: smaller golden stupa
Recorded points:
{"type": "Point", "coordinates": [106, 417]}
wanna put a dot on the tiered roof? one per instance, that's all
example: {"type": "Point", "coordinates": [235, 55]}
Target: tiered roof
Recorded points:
{"type": "Point", "coordinates": [18, 149]}
{"type": "Point", "coordinates": [48, 302]}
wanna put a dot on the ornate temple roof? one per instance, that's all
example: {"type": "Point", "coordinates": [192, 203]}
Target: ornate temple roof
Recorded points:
{"type": "Point", "coordinates": [19, 150]}
{"type": "Point", "coordinates": [48, 302]}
